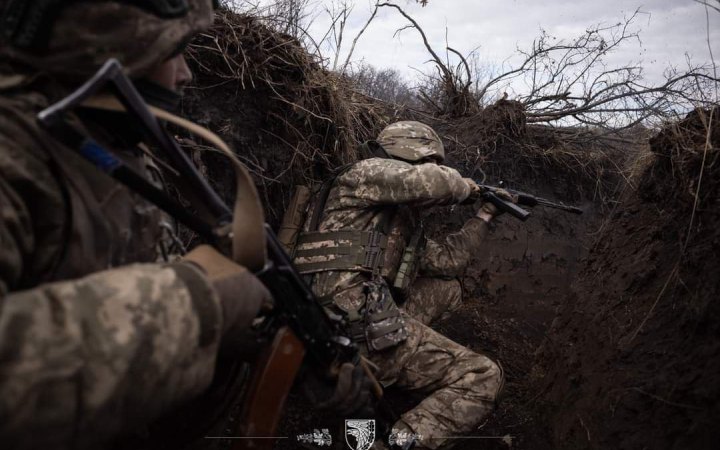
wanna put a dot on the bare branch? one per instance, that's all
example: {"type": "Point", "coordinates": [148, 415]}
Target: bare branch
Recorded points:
{"type": "Point", "coordinates": [437, 59]}
{"type": "Point", "coordinates": [707, 4]}
{"type": "Point", "coordinates": [360, 33]}
{"type": "Point", "coordinates": [465, 63]}
{"type": "Point", "coordinates": [454, 95]}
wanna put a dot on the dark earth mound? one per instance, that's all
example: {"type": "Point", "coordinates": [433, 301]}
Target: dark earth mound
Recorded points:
{"type": "Point", "coordinates": [633, 357]}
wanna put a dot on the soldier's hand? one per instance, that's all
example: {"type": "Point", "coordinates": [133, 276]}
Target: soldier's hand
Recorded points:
{"type": "Point", "coordinates": [242, 295]}
{"type": "Point", "coordinates": [505, 195]}
{"type": "Point", "coordinates": [351, 393]}
{"type": "Point", "coordinates": [488, 211]}
{"type": "Point", "coordinates": [475, 192]}
{"type": "Point", "coordinates": [475, 189]}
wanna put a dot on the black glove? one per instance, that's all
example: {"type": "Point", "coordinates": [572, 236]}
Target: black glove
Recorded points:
{"type": "Point", "coordinates": [488, 211]}
{"type": "Point", "coordinates": [350, 394]}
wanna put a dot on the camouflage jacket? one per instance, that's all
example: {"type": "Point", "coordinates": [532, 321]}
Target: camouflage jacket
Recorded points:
{"type": "Point", "coordinates": [361, 194]}
{"type": "Point", "coordinates": [96, 338]}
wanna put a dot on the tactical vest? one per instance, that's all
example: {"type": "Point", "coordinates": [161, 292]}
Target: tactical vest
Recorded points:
{"type": "Point", "coordinates": [391, 250]}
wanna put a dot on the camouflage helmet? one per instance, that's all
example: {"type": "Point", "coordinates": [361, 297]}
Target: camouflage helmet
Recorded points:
{"type": "Point", "coordinates": [411, 141]}
{"type": "Point", "coordinates": [72, 39]}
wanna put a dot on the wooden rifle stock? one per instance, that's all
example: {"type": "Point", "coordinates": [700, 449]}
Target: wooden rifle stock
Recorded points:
{"type": "Point", "coordinates": [272, 379]}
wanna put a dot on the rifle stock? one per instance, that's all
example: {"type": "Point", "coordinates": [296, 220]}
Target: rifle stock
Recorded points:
{"type": "Point", "coordinates": [271, 382]}
{"type": "Point", "coordinates": [506, 206]}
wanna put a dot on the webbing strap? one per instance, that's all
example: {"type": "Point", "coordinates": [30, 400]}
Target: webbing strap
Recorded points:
{"type": "Point", "coordinates": [342, 263]}
{"type": "Point", "coordinates": [326, 300]}
{"type": "Point", "coordinates": [355, 237]}
{"type": "Point", "coordinates": [363, 253]}
{"type": "Point", "coordinates": [342, 250]}
{"type": "Point", "coordinates": [319, 236]}
{"type": "Point", "coordinates": [384, 330]}
{"type": "Point", "coordinates": [319, 206]}
{"type": "Point", "coordinates": [384, 315]}
{"type": "Point", "coordinates": [248, 217]}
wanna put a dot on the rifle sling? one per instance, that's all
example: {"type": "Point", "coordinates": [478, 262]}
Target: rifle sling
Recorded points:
{"type": "Point", "coordinates": [248, 235]}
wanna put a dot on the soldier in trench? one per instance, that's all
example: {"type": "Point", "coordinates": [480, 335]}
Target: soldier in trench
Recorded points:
{"type": "Point", "coordinates": [364, 250]}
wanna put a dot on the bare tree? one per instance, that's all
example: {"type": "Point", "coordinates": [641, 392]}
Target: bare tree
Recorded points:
{"type": "Point", "coordinates": [357, 37]}
{"type": "Point", "coordinates": [339, 12]}
{"type": "Point", "coordinates": [387, 85]}
{"type": "Point", "coordinates": [294, 14]}
{"type": "Point", "coordinates": [451, 94]}
{"type": "Point", "coordinates": [571, 80]}
{"type": "Point", "coordinates": [714, 4]}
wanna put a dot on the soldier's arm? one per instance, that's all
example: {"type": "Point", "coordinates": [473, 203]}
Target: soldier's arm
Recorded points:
{"type": "Point", "coordinates": [89, 358]}
{"type": "Point", "coordinates": [380, 181]}
{"type": "Point", "coordinates": [451, 257]}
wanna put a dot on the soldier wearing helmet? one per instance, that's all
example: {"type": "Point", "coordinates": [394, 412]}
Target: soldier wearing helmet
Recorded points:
{"type": "Point", "coordinates": [101, 332]}
{"type": "Point", "coordinates": [364, 249]}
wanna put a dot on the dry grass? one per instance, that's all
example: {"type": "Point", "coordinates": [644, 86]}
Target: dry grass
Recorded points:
{"type": "Point", "coordinates": [323, 117]}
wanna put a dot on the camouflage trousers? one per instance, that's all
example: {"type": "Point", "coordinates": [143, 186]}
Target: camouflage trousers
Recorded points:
{"type": "Point", "coordinates": [461, 385]}
{"type": "Point", "coordinates": [432, 299]}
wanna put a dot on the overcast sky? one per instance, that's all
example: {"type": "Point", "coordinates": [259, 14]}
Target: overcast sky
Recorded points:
{"type": "Point", "coordinates": [669, 29]}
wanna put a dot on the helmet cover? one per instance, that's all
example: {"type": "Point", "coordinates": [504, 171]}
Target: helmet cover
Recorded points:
{"type": "Point", "coordinates": [411, 141]}
{"type": "Point", "coordinates": [86, 34]}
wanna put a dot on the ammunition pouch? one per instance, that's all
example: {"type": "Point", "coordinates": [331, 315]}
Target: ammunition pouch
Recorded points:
{"type": "Point", "coordinates": [410, 261]}
{"type": "Point", "coordinates": [321, 251]}
{"type": "Point", "coordinates": [376, 320]}
{"type": "Point", "coordinates": [384, 326]}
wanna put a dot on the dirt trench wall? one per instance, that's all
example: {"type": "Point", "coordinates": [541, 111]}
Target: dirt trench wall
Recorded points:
{"type": "Point", "coordinates": [525, 268]}
{"type": "Point", "coordinates": [512, 291]}
{"type": "Point", "coordinates": [516, 284]}
{"type": "Point", "coordinates": [633, 358]}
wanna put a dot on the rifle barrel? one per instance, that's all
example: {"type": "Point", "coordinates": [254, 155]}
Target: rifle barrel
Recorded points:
{"type": "Point", "coordinates": [526, 199]}
{"type": "Point", "coordinates": [559, 205]}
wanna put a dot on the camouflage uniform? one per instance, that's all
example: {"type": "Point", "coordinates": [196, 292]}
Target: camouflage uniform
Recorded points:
{"type": "Point", "coordinates": [437, 291]}
{"type": "Point", "coordinates": [96, 337]}
{"type": "Point", "coordinates": [461, 385]}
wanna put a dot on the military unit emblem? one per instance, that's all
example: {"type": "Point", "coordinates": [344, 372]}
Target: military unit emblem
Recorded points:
{"type": "Point", "coordinates": [360, 434]}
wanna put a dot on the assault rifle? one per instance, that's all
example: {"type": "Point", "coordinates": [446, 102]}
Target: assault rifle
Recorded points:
{"type": "Point", "coordinates": [299, 327]}
{"type": "Point", "coordinates": [489, 193]}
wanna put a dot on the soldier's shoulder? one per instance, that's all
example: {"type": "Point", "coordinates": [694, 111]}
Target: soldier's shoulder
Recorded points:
{"type": "Point", "coordinates": [18, 124]}
{"type": "Point", "coordinates": [372, 164]}
{"type": "Point", "coordinates": [24, 156]}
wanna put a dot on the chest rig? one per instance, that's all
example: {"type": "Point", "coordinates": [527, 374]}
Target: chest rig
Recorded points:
{"type": "Point", "coordinates": [341, 250]}
{"type": "Point", "coordinates": [388, 250]}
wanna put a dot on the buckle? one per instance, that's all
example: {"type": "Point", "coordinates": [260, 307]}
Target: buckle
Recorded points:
{"type": "Point", "coordinates": [373, 250]}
